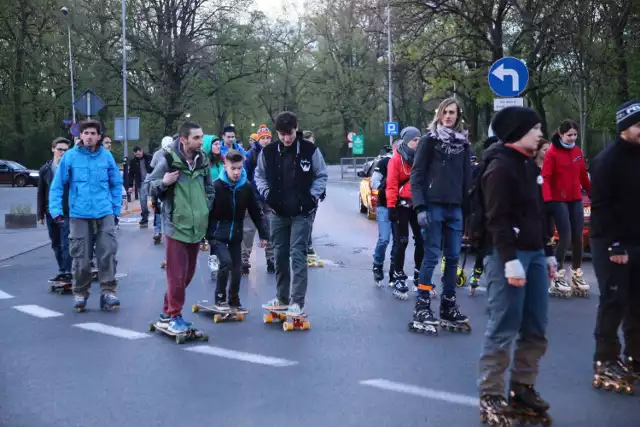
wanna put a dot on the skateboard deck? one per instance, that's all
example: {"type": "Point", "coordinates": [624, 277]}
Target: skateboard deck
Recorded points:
{"type": "Point", "coordinates": [61, 287]}
{"type": "Point", "coordinates": [219, 315]}
{"type": "Point", "coordinates": [191, 334]}
{"type": "Point", "coordinates": [289, 321]}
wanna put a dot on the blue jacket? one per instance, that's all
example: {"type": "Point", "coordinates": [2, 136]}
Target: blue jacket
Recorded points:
{"type": "Point", "coordinates": [95, 184]}
{"type": "Point", "coordinates": [250, 164]}
{"type": "Point", "coordinates": [224, 149]}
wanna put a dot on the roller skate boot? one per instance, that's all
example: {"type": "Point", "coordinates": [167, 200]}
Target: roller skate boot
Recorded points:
{"type": "Point", "coordinates": [559, 287]}
{"type": "Point", "coordinates": [613, 375]}
{"type": "Point", "coordinates": [271, 267]}
{"type": "Point", "coordinates": [579, 286]}
{"type": "Point", "coordinates": [79, 302]}
{"type": "Point", "coordinates": [109, 302]}
{"type": "Point", "coordinates": [474, 282]}
{"type": "Point", "coordinates": [157, 238]}
{"type": "Point", "coordinates": [378, 275]}
{"type": "Point", "coordinates": [494, 410]}
{"type": "Point", "coordinates": [633, 366]}
{"type": "Point", "coordinates": [246, 268]}
{"type": "Point", "coordinates": [423, 319]}
{"type": "Point", "coordinates": [400, 288]}
{"type": "Point", "coordinates": [450, 317]}
{"type": "Point", "coordinates": [527, 406]}
{"type": "Point", "coordinates": [393, 276]}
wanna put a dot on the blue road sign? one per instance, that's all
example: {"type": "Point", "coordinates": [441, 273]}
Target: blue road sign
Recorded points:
{"type": "Point", "coordinates": [390, 128]}
{"type": "Point", "coordinates": [88, 103]}
{"type": "Point", "coordinates": [508, 77]}
{"type": "Point", "coordinates": [75, 129]}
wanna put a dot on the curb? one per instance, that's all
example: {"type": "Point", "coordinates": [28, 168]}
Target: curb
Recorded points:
{"type": "Point", "coordinates": [31, 249]}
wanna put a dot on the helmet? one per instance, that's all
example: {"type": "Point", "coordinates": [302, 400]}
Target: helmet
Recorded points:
{"type": "Point", "coordinates": [166, 141]}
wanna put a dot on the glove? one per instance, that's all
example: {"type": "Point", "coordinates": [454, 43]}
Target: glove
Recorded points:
{"type": "Point", "coordinates": [393, 215]}
{"type": "Point", "coordinates": [424, 219]}
{"type": "Point", "coordinates": [514, 272]}
{"type": "Point", "coordinates": [552, 265]}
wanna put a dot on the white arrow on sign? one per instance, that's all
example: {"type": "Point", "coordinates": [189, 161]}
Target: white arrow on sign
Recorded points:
{"type": "Point", "coordinates": [502, 72]}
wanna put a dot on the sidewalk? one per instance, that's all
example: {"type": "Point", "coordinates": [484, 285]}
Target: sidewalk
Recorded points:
{"type": "Point", "coordinates": [18, 242]}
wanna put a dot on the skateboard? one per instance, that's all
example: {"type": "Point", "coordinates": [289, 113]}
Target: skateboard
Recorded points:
{"type": "Point", "coordinates": [312, 261]}
{"type": "Point", "coordinates": [219, 315]}
{"type": "Point", "coordinates": [61, 287]}
{"type": "Point", "coordinates": [191, 334]}
{"type": "Point", "coordinates": [296, 322]}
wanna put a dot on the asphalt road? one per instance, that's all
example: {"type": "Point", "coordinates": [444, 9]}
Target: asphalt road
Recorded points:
{"type": "Point", "coordinates": [357, 366]}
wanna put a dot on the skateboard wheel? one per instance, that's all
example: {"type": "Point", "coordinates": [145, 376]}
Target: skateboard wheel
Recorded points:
{"type": "Point", "coordinates": [596, 383]}
{"type": "Point", "coordinates": [152, 327]}
{"type": "Point", "coordinates": [52, 288]}
{"type": "Point", "coordinates": [195, 308]}
{"type": "Point", "coordinates": [204, 337]}
{"type": "Point", "coordinates": [217, 318]}
{"type": "Point", "coordinates": [306, 325]}
{"type": "Point", "coordinates": [239, 317]}
{"type": "Point", "coordinates": [180, 339]}
{"type": "Point", "coordinates": [286, 326]}
{"type": "Point", "coordinates": [268, 318]}
{"type": "Point", "coordinates": [282, 317]}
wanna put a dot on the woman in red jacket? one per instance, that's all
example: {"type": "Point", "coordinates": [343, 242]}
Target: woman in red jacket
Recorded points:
{"type": "Point", "coordinates": [401, 213]}
{"type": "Point", "coordinates": [564, 175]}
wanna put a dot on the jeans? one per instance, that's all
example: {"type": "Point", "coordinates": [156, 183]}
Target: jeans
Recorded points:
{"type": "Point", "coordinates": [515, 314]}
{"type": "Point", "coordinates": [569, 220]}
{"type": "Point", "coordinates": [144, 209]}
{"type": "Point", "coordinates": [59, 235]}
{"type": "Point", "coordinates": [312, 219]}
{"type": "Point", "coordinates": [230, 258]}
{"type": "Point", "coordinates": [81, 247]}
{"type": "Point", "coordinates": [385, 234]}
{"type": "Point", "coordinates": [290, 236]}
{"type": "Point", "coordinates": [407, 218]}
{"type": "Point", "coordinates": [181, 266]}
{"type": "Point", "coordinates": [445, 222]}
{"type": "Point", "coordinates": [619, 304]}
{"type": "Point", "coordinates": [157, 217]}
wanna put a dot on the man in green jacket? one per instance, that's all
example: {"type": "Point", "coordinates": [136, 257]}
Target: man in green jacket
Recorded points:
{"type": "Point", "coordinates": [182, 181]}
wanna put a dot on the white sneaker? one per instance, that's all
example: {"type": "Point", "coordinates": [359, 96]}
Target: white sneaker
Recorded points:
{"type": "Point", "coordinates": [213, 263]}
{"type": "Point", "coordinates": [295, 310]}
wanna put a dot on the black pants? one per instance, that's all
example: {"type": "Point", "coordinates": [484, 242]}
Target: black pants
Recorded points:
{"type": "Point", "coordinates": [406, 217]}
{"type": "Point", "coordinates": [230, 259]}
{"type": "Point", "coordinates": [569, 219]}
{"type": "Point", "coordinates": [619, 304]}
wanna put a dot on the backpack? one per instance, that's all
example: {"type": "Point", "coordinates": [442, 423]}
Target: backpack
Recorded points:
{"type": "Point", "coordinates": [168, 157]}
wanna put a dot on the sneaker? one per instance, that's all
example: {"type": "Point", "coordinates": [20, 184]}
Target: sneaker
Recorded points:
{"type": "Point", "coordinates": [236, 307]}
{"type": "Point", "coordinates": [276, 304]}
{"type": "Point", "coordinates": [311, 252]}
{"type": "Point", "coordinates": [271, 267]}
{"type": "Point", "coordinates": [177, 325]}
{"type": "Point", "coordinates": [221, 305]}
{"type": "Point", "coordinates": [165, 319]}
{"type": "Point", "coordinates": [58, 278]}
{"type": "Point", "coordinates": [295, 310]}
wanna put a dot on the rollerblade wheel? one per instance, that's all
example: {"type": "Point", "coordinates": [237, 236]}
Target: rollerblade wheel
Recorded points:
{"type": "Point", "coordinates": [152, 327]}
{"type": "Point", "coordinates": [195, 308]}
{"type": "Point", "coordinates": [596, 383]}
{"type": "Point", "coordinates": [267, 318]}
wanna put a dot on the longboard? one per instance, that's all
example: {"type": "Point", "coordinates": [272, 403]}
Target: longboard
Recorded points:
{"type": "Point", "coordinates": [61, 287]}
{"type": "Point", "coordinates": [219, 315]}
{"type": "Point", "coordinates": [296, 322]}
{"type": "Point", "coordinates": [192, 334]}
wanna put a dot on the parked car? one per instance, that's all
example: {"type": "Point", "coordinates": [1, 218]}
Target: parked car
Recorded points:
{"type": "Point", "coordinates": [586, 202]}
{"type": "Point", "coordinates": [367, 196]}
{"type": "Point", "coordinates": [17, 175]}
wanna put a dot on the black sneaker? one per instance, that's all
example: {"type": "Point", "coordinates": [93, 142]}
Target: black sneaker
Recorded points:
{"type": "Point", "coordinates": [59, 278]}
{"type": "Point", "coordinates": [271, 267]}
{"type": "Point", "coordinates": [236, 306]}
{"type": "Point", "coordinates": [220, 303]}
{"type": "Point", "coordinates": [246, 269]}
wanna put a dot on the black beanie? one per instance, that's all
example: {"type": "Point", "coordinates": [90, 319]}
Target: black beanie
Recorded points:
{"type": "Point", "coordinates": [627, 115]}
{"type": "Point", "coordinates": [512, 123]}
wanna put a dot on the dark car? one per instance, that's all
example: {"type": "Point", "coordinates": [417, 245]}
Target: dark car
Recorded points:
{"type": "Point", "coordinates": [17, 175]}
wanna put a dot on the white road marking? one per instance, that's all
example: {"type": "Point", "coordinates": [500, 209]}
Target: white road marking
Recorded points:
{"type": "Point", "coordinates": [428, 393]}
{"type": "Point", "coordinates": [37, 311]}
{"type": "Point", "coordinates": [242, 356]}
{"type": "Point", "coordinates": [5, 265]}
{"type": "Point", "coordinates": [120, 275]}
{"type": "Point", "coordinates": [112, 330]}
{"type": "Point", "coordinates": [4, 295]}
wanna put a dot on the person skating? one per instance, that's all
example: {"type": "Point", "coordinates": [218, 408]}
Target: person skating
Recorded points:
{"type": "Point", "coordinates": [400, 208]}
{"type": "Point", "coordinates": [564, 172]}
{"type": "Point", "coordinates": [58, 233]}
{"type": "Point", "coordinates": [95, 199]}
{"type": "Point", "coordinates": [155, 202]}
{"type": "Point", "coordinates": [211, 146]}
{"type": "Point", "coordinates": [183, 183]}
{"type": "Point", "coordinates": [139, 168]}
{"type": "Point", "coordinates": [615, 249]}
{"type": "Point", "coordinates": [291, 176]}
{"type": "Point", "coordinates": [440, 184]}
{"type": "Point", "coordinates": [518, 268]}
{"type": "Point", "coordinates": [262, 139]}
{"type": "Point", "coordinates": [234, 197]}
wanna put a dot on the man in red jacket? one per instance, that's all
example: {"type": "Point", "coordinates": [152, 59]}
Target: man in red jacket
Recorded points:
{"type": "Point", "coordinates": [564, 175]}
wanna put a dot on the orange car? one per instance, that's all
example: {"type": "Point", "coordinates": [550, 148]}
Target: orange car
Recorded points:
{"type": "Point", "coordinates": [367, 196]}
{"type": "Point", "coordinates": [586, 202]}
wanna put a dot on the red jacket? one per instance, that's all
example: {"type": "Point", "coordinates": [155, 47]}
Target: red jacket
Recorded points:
{"type": "Point", "coordinates": [398, 185]}
{"type": "Point", "coordinates": [564, 173]}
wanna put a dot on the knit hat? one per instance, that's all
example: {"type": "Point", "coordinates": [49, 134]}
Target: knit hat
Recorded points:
{"type": "Point", "coordinates": [254, 137]}
{"type": "Point", "coordinates": [166, 141]}
{"type": "Point", "coordinates": [263, 131]}
{"type": "Point", "coordinates": [409, 133]}
{"type": "Point", "coordinates": [513, 123]}
{"type": "Point", "coordinates": [627, 115]}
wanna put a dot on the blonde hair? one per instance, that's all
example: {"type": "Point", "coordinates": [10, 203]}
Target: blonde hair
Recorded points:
{"type": "Point", "coordinates": [444, 104]}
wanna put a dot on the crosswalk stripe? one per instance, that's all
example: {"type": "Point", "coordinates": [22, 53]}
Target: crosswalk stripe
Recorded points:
{"type": "Point", "coordinates": [242, 356]}
{"type": "Point", "coordinates": [111, 330]}
{"type": "Point", "coordinates": [459, 399]}
{"type": "Point", "coordinates": [4, 295]}
{"type": "Point", "coordinates": [37, 311]}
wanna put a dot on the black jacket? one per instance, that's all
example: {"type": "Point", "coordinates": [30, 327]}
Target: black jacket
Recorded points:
{"type": "Point", "coordinates": [514, 208]}
{"type": "Point", "coordinates": [44, 183]}
{"type": "Point", "coordinates": [439, 177]}
{"type": "Point", "coordinates": [134, 169]}
{"type": "Point", "coordinates": [381, 168]}
{"type": "Point", "coordinates": [615, 194]}
{"type": "Point", "coordinates": [231, 202]}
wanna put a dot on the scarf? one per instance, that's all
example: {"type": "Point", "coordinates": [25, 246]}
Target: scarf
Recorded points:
{"type": "Point", "coordinates": [567, 146]}
{"type": "Point", "coordinates": [406, 153]}
{"type": "Point", "coordinates": [452, 142]}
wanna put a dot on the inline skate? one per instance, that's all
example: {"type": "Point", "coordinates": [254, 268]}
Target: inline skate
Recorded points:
{"type": "Point", "coordinates": [613, 375]}
{"type": "Point", "coordinates": [494, 411]}
{"type": "Point", "coordinates": [423, 319]}
{"type": "Point", "coordinates": [579, 286]}
{"type": "Point", "coordinates": [400, 288]}
{"type": "Point", "coordinates": [378, 275]}
{"type": "Point", "coordinates": [526, 406]}
{"type": "Point", "coordinates": [450, 317]}
{"type": "Point", "coordinates": [559, 287]}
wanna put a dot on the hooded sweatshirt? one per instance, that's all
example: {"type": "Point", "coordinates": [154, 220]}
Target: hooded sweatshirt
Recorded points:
{"type": "Point", "coordinates": [216, 168]}
{"type": "Point", "coordinates": [398, 175]}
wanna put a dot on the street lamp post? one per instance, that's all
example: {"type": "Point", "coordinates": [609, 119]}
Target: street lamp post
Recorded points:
{"type": "Point", "coordinates": [124, 92]}
{"type": "Point", "coordinates": [389, 61]}
{"type": "Point", "coordinates": [65, 12]}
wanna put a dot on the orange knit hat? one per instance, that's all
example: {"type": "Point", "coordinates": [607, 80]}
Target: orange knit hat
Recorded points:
{"type": "Point", "coordinates": [263, 131]}
{"type": "Point", "coordinates": [254, 137]}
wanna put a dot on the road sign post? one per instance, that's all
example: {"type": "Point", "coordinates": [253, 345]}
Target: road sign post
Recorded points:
{"type": "Point", "coordinates": [508, 77]}
{"type": "Point", "coordinates": [502, 103]}
{"type": "Point", "coordinates": [358, 144]}
{"type": "Point", "coordinates": [390, 128]}
{"type": "Point", "coordinates": [133, 129]}
{"type": "Point", "coordinates": [88, 103]}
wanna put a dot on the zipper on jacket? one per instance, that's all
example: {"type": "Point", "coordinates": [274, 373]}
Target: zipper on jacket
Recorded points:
{"type": "Point", "coordinates": [233, 213]}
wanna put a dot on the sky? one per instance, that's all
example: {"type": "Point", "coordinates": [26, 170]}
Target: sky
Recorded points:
{"type": "Point", "coordinates": [273, 8]}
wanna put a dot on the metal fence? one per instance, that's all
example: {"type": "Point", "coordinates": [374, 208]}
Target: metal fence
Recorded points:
{"type": "Point", "coordinates": [350, 166]}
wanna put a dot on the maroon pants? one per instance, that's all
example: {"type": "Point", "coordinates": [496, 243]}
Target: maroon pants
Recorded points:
{"type": "Point", "coordinates": [181, 266]}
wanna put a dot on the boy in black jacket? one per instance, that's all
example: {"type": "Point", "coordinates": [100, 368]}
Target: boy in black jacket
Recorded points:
{"type": "Point", "coordinates": [234, 196]}
{"type": "Point", "coordinates": [518, 267]}
{"type": "Point", "coordinates": [615, 247]}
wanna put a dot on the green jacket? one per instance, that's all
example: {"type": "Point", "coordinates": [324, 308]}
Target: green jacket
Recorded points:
{"type": "Point", "coordinates": [185, 204]}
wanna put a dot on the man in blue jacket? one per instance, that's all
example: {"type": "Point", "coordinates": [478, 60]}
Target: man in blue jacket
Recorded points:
{"type": "Point", "coordinates": [230, 142]}
{"type": "Point", "coordinates": [95, 199]}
